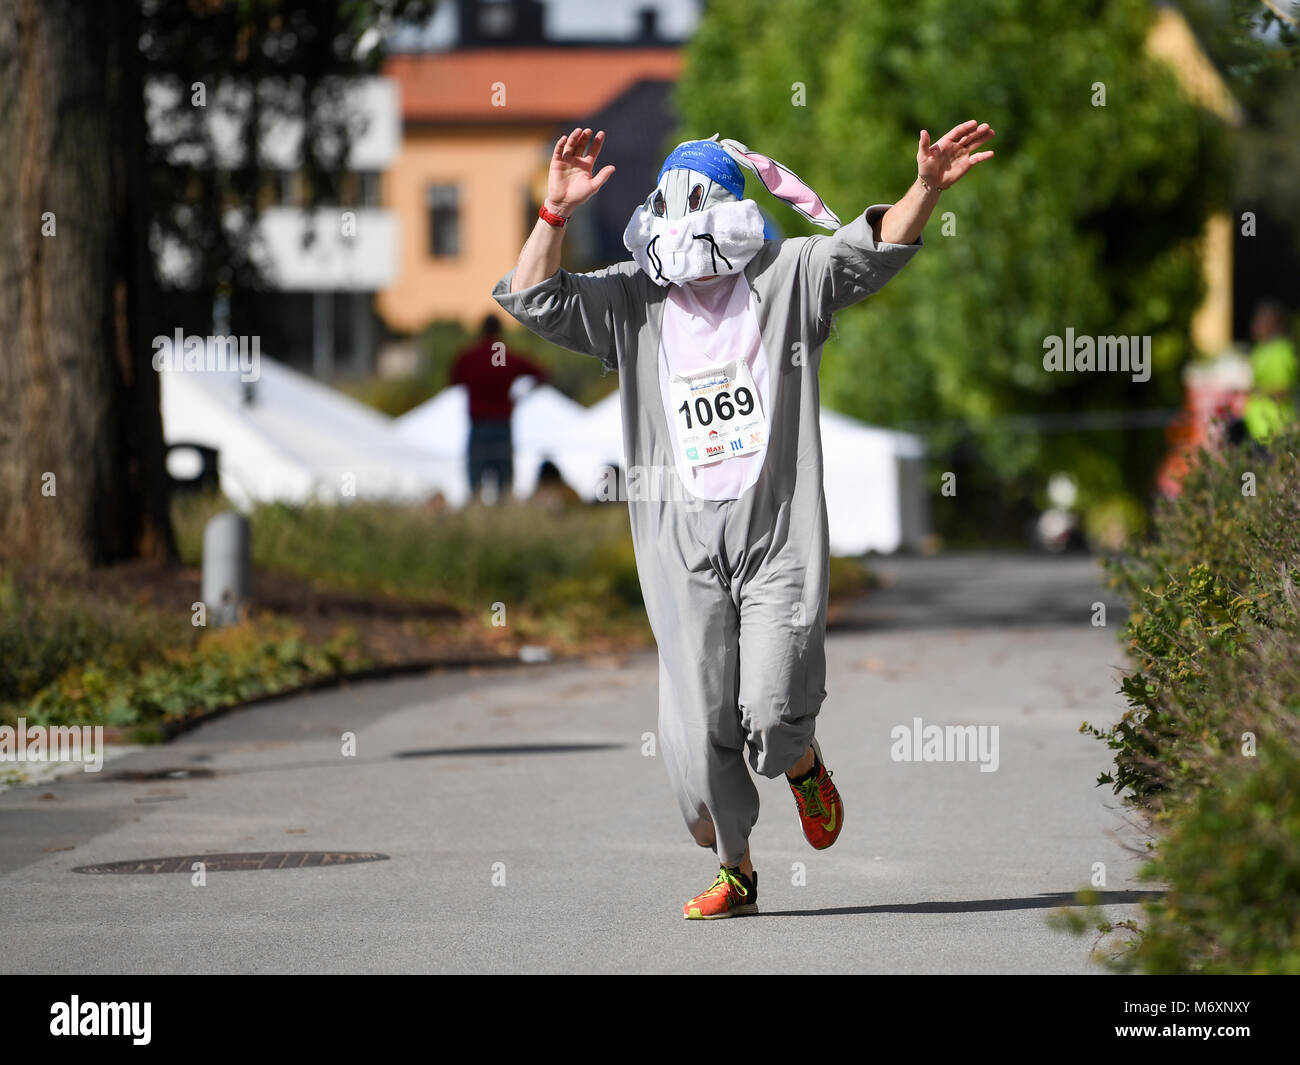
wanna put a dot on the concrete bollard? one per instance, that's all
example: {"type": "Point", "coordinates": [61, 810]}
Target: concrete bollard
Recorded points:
{"type": "Point", "coordinates": [226, 569]}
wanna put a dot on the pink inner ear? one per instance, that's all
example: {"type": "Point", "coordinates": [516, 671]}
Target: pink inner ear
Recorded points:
{"type": "Point", "coordinates": [785, 185]}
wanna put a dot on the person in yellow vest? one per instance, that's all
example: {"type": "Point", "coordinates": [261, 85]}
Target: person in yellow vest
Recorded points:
{"type": "Point", "coordinates": [1271, 403]}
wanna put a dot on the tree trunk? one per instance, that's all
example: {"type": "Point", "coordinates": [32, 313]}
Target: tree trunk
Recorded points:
{"type": "Point", "coordinates": [81, 458]}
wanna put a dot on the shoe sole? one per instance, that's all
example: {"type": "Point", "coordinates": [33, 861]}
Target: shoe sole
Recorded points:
{"type": "Point", "coordinates": [735, 911]}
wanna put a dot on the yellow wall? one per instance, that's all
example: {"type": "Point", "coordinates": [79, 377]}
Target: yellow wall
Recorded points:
{"type": "Point", "coordinates": [1212, 324]}
{"type": "Point", "coordinates": [495, 171]}
{"type": "Point", "coordinates": [1172, 40]}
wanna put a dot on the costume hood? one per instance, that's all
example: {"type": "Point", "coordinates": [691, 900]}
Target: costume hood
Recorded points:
{"type": "Point", "coordinates": [694, 222]}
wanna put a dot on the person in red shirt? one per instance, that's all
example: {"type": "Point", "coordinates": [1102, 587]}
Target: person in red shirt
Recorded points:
{"type": "Point", "coordinates": [487, 370]}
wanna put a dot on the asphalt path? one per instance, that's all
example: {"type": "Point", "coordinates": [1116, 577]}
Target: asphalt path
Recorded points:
{"type": "Point", "coordinates": [527, 824]}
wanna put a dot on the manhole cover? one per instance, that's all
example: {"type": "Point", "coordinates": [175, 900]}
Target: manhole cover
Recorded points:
{"type": "Point", "coordinates": [230, 863]}
{"type": "Point", "coordinates": [160, 774]}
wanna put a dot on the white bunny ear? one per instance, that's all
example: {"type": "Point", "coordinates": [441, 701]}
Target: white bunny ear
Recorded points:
{"type": "Point", "coordinates": [784, 183]}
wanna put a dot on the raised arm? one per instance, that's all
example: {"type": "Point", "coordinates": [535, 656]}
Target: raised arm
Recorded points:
{"type": "Point", "coordinates": [584, 312]}
{"type": "Point", "coordinates": [571, 182]}
{"type": "Point", "coordinates": [861, 256]}
{"type": "Point", "coordinates": [938, 166]}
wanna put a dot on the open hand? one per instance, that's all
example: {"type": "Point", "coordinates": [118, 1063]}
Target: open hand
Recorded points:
{"type": "Point", "coordinates": [944, 162]}
{"type": "Point", "coordinates": [572, 179]}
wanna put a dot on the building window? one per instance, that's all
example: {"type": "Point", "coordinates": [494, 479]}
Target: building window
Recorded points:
{"type": "Point", "coordinates": [359, 188]}
{"type": "Point", "coordinates": [369, 189]}
{"type": "Point", "coordinates": [444, 220]}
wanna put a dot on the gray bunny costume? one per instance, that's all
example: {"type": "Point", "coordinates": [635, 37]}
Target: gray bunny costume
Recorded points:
{"type": "Point", "coordinates": [735, 589]}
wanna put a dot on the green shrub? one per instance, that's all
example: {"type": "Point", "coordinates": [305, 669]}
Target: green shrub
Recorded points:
{"type": "Point", "coordinates": [1232, 863]}
{"type": "Point", "coordinates": [1219, 572]}
{"type": "Point", "coordinates": [46, 630]}
{"type": "Point", "coordinates": [1210, 743]}
{"type": "Point", "coordinates": [145, 671]}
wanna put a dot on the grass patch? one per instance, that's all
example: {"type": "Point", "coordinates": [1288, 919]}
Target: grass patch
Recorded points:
{"type": "Point", "coordinates": [73, 659]}
{"type": "Point", "coordinates": [335, 590]}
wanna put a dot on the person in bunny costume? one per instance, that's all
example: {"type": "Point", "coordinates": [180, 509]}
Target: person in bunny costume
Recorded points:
{"type": "Point", "coordinates": [717, 334]}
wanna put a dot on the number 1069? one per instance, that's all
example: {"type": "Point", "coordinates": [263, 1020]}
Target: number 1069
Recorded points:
{"type": "Point", "coordinates": [722, 407]}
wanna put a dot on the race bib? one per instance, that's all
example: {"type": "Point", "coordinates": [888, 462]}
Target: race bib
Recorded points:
{"type": "Point", "coordinates": [717, 413]}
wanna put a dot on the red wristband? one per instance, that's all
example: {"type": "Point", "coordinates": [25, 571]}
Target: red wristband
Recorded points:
{"type": "Point", "coordinates": [550, 218]}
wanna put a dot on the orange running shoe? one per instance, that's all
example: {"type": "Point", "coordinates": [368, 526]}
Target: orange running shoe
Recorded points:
{"type": "Point", "coordinates": [732, 893]}
{"type": "Point", "coordinates": [821, 810]}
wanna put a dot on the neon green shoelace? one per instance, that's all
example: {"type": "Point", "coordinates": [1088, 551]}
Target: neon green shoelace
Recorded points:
{"type": "Point", "coordinates": [813, 806]}
{"type": "Point", "coordinates": [726, 876]}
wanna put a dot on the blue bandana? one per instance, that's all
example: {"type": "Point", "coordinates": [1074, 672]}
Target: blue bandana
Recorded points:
{"type": "Point", "coordinates": [706, 157]}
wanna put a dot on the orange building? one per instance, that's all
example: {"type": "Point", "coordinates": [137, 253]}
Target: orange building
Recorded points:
{"type": "Point", "coordinates": [479, 122]}
{"type": "Point", "coordinates": [478, 129]}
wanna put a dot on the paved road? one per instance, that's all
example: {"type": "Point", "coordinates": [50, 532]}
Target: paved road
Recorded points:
{"type": "Point", "coordinates": [537, 775]}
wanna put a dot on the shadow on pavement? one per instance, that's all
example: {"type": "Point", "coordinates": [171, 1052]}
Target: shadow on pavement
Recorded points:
{"type": "Point", "coordinates": [1036, 902]}
{"type": "Point", "coordinates": [172, 773]}
{"type": "Point", "coordinates": [982, 590]}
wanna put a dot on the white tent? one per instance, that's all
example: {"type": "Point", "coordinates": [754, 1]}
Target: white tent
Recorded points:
{"type": "Point", "coordinates": [875, 498]}
{"type": "Point", "coordinates": [300, 440]}
{"type": "Point", "coordinates": [546, 426]}
{"type": "Point", "coordinates": [286, 437]}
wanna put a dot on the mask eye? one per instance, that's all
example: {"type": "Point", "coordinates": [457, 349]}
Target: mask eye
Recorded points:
{"type": "Point", "coordinates": [696, 197]}
{"type": "Point", "coordinates": [658, 205]}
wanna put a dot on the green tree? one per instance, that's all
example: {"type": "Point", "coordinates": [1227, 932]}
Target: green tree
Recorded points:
{"type": "Point", "coordinates": [1088, 216]}
{"type": "Point", "coordinates": [86, 198]}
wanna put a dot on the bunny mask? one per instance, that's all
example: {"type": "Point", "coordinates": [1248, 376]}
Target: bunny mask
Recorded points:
{"type": "Point", "coordinates": [694, 223]}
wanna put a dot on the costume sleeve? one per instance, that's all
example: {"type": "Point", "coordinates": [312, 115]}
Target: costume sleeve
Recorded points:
{"type": "Point", "coordinates": [847, 266]}
{"type": "Point", "coordinates": [580, 312]}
